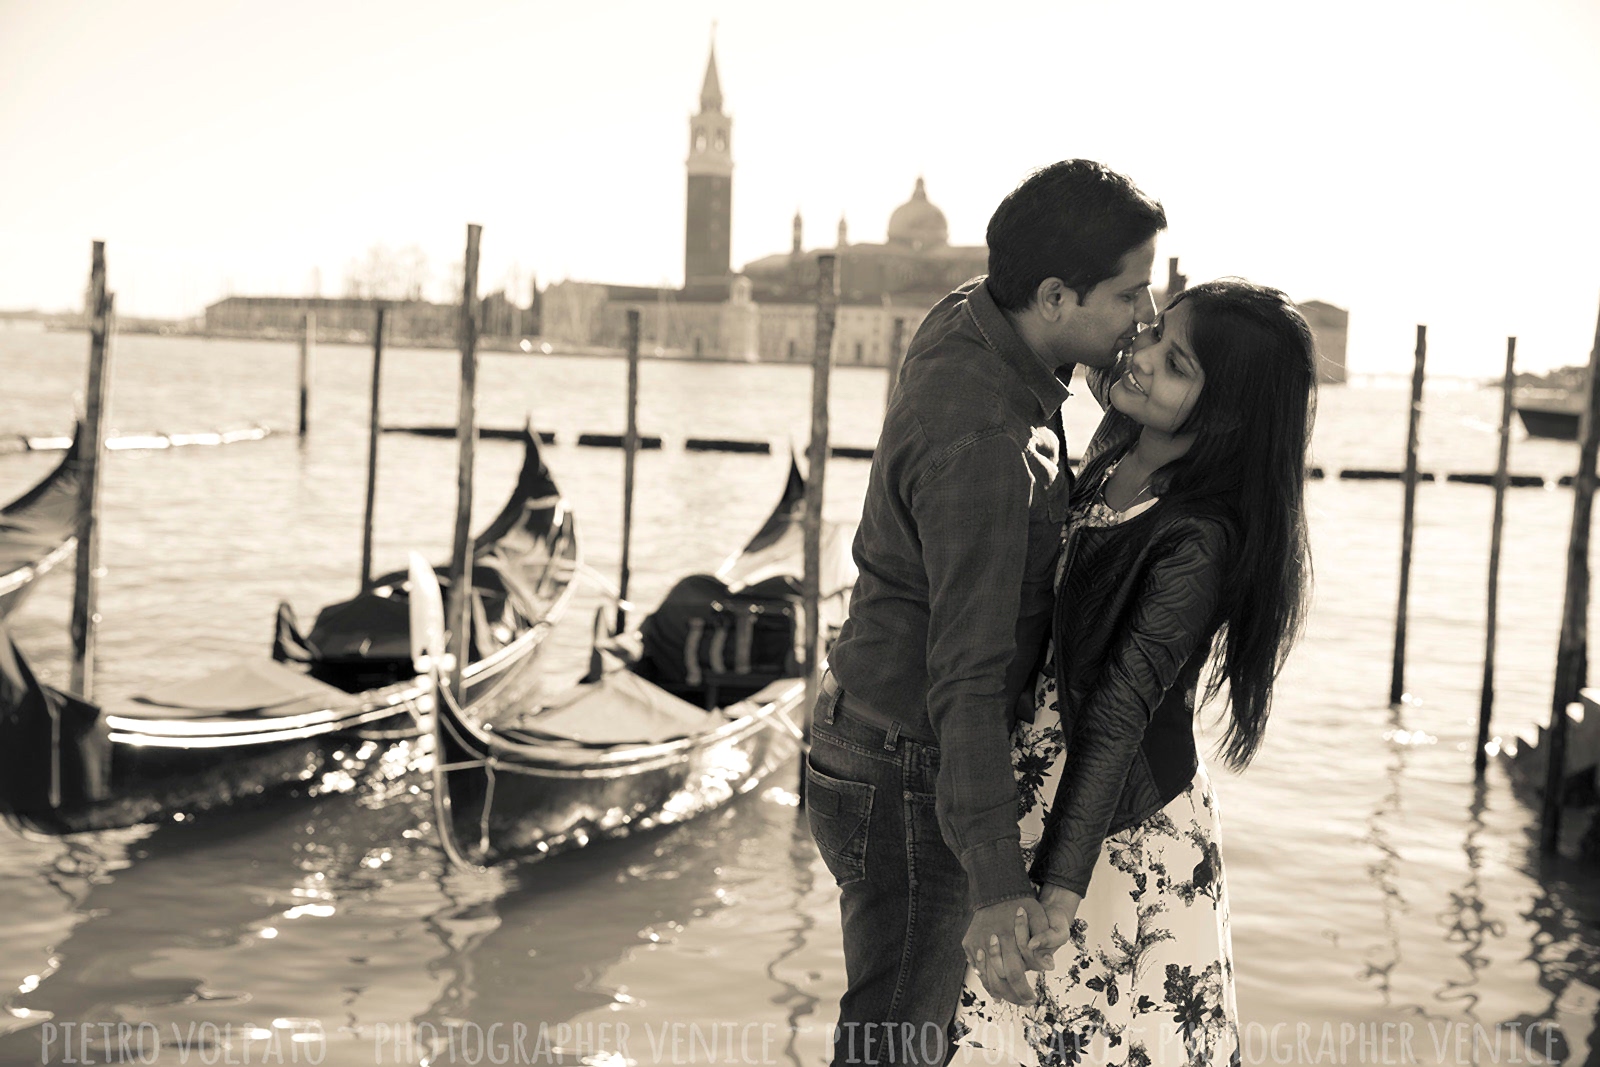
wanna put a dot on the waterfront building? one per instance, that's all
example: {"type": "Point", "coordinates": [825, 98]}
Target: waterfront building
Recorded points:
{"type": "Point", "coordinates": [1331, 326]}
{"type": "Point", "coordinates": [767, 311]}
{"type": "Point", "coordinates": [418, 322]}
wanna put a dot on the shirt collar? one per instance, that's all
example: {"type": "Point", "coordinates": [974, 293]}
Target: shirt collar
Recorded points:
{"type": "Point", "coordinates": [1041, 379]}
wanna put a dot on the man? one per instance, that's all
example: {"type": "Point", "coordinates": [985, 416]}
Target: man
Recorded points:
{"type": "Point", "coordinates": [910, 792]}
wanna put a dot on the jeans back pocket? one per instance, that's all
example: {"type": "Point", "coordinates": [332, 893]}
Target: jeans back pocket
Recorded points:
{"type": "Point", "coordinates": [839, 813]}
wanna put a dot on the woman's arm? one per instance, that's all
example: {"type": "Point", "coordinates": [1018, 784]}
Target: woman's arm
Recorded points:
{"type": "Point", "coordinates": [1173, 612]}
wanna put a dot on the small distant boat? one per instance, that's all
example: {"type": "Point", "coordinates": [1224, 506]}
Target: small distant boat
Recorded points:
{"type": "Point", "coordinates": [37, 530]}
{"type": "Point", "coordinates": [696, 706]}
{"type": "Point", "coordinates": [328, 700]}
{"type": "Point", "coordinates": [1550, 413]}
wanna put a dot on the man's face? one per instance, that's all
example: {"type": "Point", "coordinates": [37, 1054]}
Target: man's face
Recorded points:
{"type": "Point", "coordinates": [1092, 333]}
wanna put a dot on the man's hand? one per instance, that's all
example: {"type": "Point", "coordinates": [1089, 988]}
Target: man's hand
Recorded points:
{"type": "Point", "coordinates": [996, 942]}
{"type": "Point", "coordinates": [1060, 907]}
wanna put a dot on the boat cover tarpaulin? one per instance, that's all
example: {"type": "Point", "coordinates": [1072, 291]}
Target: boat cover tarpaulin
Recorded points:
{"type": "Point", "coordinates": [250, 686]}
{"type": "Point", "coordinates": [704, 628]}
{"type": "Point", "coordinates": [620, 709]}
{"type": "Point", "coordinates": [369, 627]}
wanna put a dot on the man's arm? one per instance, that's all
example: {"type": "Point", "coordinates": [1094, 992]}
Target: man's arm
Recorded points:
{"type": "Point", "coordinates": [1173, 611]}
{"type": "Point", "coordinates": [971, 511]}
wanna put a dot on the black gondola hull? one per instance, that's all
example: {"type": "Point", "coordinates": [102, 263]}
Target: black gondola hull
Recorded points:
{"type": "Point", "coordinates": [36, 530]}
{"type": "Point", "coordinates": [151, 782]}
{"type": "Point", "coordinates": [512, 783]}
{"type": "Point", "coordinates": [533, 807]}
{"type": "Point", "coordinates": [69, 766]}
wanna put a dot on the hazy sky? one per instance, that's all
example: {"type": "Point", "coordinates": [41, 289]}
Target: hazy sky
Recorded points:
{"type": "Point", "coordinates": [1433, 162]}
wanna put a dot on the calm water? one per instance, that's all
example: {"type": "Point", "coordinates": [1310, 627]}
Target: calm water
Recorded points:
{"type": "Point", "coordinates": [1372, 883]}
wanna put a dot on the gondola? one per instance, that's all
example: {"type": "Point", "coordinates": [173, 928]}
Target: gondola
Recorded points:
{"type": "Point", "coordinates": [336, 701]}
{"type": "Point", "coordinates": [697, 705]}
{"type": "Point", "coordinates": [37, 530]}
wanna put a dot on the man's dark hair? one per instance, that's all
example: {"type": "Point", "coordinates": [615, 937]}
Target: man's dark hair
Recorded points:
{"type": "Point", "coordinates": [1072, 220]}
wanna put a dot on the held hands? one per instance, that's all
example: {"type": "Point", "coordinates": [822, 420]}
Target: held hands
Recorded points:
{"type": "Point", "coordinates": [1004, 941]}
{"type": "Point", "coordinates": [997, 943]}
{"type": "Point", "coordinates": [1060, 907]}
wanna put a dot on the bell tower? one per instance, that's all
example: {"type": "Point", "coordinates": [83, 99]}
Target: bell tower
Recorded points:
{"type": "Point", "coordinates": [709, 213]}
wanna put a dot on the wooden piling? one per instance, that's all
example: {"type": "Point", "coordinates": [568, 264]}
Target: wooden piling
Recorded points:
{"type": "Point", "coordinates": [630, 449]}
{"type": "Point", "coordinates": [1397, 679]}
{"type": "Point", "coordinates": [372, 452]}
{"type": "Point", "coordinates": [460, 619]}
{"type": "Point", "coordinates": [1572, 654]}
{"type": "Point", "coordinates": [816, 462]}
{"type": "Point", "coordinates": [86, 587]}
{"type": "Point", "coordinates": [308, 333]}
{"type": "Point", "coordinates": [1502, 478]}
{"type": "Point", "coordinates": [897, 358]}
{"type": "Point", "coordinates": [1176, 283]}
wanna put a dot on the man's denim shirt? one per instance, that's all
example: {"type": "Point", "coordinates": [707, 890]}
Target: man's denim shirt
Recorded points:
{"type": "Point", "coordinates": [957, 547]}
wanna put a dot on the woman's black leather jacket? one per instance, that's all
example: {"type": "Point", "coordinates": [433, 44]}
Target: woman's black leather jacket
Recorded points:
{"type": "Point", "coordinates": [1136, 612]}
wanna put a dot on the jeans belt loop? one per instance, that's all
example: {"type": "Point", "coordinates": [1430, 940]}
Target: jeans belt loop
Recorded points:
{"type": "Point", "coordinates": [891, 737]}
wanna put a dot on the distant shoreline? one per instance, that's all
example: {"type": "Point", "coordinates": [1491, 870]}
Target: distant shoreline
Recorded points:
{"type": "Point", "coordinates": [1562, 378]}
{"type": "Point", "coordinates": [512, 346]}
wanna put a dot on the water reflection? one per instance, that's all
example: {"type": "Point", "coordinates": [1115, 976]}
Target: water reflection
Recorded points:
{"type": "Point", "coordinates": [1566, 917]}
{"type": "Point", "coordinates": [1557, 903]}
{"type": "Point", "coordinates": [198, 921]}
{"type": "Point", "coordinates": [1465, 919]}
{"type": "Point", "coordinates": [1384, 872]}
{"type": "Point", "coordinates": [801, 1004]}
{"type": "Point", "coordinates": [627, 937]}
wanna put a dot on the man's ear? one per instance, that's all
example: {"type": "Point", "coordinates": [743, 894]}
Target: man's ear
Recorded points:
{"type": "Point", "coordinates": [1053, 299]}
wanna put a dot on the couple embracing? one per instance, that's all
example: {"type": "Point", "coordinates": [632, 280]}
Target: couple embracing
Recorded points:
{"type": "Point", "coordinates": [1003, 776]}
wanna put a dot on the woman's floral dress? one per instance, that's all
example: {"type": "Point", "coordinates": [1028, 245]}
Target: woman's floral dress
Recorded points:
{"type": "Point", "coordinates": [1147, 977]}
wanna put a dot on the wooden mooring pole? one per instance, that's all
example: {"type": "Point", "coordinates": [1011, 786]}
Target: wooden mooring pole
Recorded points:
{"type": "Point", "coordinates": [308, 334]}
{"type": "Point", "coordinates": [460, 619]}
{"type": "Point", "coordinates": [1572, 654]}
{"type": "Point", "coordinates": [816, 464]}
{"type": "Point", "coordinates": [1480, 761]}
{"type": "Point", "coordinates": [1176, 283]}
{"type": "Point", "coordinates": [1397, 679]}
{"type": "Point", "coordinates": [373, 429]}
{"type": "Point", "coordinates": [91, 448]}
{"type": "Point", "coordinates": [630, 450]}
{"type": "Point", "coordinates": [897, 358]}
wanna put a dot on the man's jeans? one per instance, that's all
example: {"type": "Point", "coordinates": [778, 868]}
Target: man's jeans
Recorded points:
{"type": "Point", "coordinates": [903, 893]}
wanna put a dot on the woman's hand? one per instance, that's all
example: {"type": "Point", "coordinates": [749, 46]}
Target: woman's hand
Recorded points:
{"type": "Point", "coordinates": [994, 947]}
{"type": "Point", "coordinates": [1060, 908]}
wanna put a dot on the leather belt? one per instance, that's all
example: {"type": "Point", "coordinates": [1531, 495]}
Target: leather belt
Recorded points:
{"type": "Point", "coordinates": [859, 709]}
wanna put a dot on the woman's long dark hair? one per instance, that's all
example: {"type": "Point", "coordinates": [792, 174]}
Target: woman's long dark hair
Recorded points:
{"type": "Point", "coordinates": [1252, 426]}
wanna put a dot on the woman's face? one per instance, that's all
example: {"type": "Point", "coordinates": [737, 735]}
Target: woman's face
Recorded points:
{"type": "Point", "coordinates": [1162, 379]}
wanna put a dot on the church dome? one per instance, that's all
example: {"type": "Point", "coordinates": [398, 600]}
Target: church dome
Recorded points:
{"type": "Point", "coordinates": [918, 223]}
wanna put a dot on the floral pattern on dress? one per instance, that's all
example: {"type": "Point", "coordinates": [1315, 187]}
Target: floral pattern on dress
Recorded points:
{"type": "Point", "coordinates": [1147, 975]}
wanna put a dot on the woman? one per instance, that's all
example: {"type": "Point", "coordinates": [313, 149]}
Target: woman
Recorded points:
{"type": "Point", "coordinates": [1187, 539]}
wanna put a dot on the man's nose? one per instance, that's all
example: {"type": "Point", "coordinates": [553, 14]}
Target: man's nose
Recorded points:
{"type": "Point", "coordinates": [1147, 310]}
